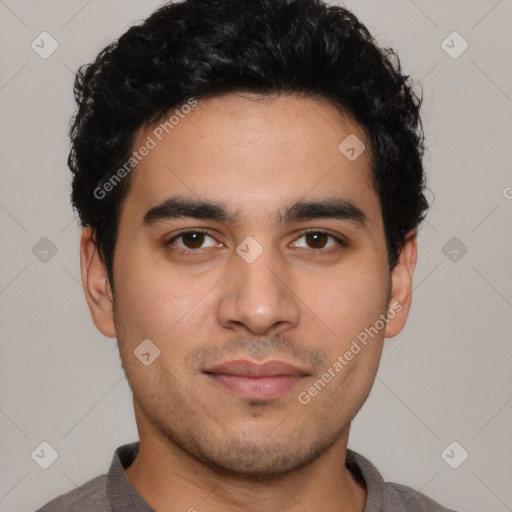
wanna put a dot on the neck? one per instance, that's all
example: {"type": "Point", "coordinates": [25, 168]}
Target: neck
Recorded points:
{"type": "Point", "coordinates": [169, 480]}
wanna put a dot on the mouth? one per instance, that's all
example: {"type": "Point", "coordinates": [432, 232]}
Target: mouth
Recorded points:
{"type": "Point", "coordinates": [253, 381]}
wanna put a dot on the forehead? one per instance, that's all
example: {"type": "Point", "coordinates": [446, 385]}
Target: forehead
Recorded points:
{"type": "Point", "coordinates": [254, 153]}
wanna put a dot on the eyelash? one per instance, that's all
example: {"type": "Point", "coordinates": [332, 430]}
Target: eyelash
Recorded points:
{"type": "Point", "coordinates": [314, 252]}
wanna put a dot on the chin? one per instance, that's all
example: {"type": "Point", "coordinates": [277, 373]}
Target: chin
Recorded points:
{"type": "Point", "coordinates": [255, 460]}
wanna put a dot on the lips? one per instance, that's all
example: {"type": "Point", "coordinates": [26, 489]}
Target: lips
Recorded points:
{"type": "Point", "coordinates": [255, 381]}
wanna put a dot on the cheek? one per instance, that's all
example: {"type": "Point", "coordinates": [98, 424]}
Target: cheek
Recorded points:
{"type": "Point", "coordinates": [153, 295]}
{"type": "Point", "coordinates": [347, 302]}
{"type": "Point", "coordinates": [166, 305]}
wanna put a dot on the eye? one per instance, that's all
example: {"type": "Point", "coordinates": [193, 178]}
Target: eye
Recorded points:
{"type": "Point", "coordinates": [320, 241]}
{"type": "Point", "coordinates": [193, 242]}
{"type": "Point", "coordinates": [190, 242]}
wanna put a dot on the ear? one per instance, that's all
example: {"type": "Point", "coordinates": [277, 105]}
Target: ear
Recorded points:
{"type": "Point", "coordinates": [401, 286]}
{"type": "Point", "coordinates": [95, 283]}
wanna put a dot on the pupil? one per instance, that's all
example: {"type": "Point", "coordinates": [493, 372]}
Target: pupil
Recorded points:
{"type": "Point", "coordinates": [197, 240]}
{"type": "Point", "coordinates": [317, 236]}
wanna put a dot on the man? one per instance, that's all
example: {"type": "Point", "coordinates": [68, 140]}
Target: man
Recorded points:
{"type": "Point", "coordinates": [249, 178]}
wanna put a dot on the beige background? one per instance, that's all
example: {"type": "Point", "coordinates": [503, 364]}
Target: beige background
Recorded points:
{"type": "Point", "coordinates": [446, 378]}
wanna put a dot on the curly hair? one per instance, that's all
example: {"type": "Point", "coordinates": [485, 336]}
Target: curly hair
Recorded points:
{"type": "Point", "coordinates": [204, 48]}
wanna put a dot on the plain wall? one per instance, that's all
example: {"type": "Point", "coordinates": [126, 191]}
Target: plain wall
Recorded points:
{"type": "Point", "coordinates": [447, 377]}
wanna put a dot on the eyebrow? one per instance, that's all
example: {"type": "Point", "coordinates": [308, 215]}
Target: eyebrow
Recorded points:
{"type": "Point", "coordinates": [177, 207]}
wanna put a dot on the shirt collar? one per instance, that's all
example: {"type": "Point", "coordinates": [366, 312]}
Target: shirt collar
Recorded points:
{"type": "Point", "coordinates": [363, 469]}
{"type": "Point", "coordinates": [121, 493]}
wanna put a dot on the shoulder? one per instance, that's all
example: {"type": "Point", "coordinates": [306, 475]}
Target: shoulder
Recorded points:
{"type": "Point", "coordinates": [388, 496]}
{"type": "Point", "coordinates": [89, 497]}
{"type": "Point", "coordinates": [409, 500]}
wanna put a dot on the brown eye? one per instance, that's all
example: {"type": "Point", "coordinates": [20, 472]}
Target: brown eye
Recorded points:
{"type": "Point", "coordinates": [190, 242]}
{"type": "Point", "coordinates": [193, 240]}
{"type": "Point", "coordinates": [320, 241]}
{"type": "Point", "coordinates": [317, 240]}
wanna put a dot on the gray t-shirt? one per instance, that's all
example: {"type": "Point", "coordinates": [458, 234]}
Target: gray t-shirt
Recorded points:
{"type": "Point", "coordinates": [114, 492]}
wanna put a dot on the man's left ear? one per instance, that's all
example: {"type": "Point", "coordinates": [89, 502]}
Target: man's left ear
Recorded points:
{"type": "Point", "coordinates": [401, 282]}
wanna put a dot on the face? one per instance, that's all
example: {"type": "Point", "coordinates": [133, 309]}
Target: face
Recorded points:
{"type": "Point", "coordinates": [258, 301]}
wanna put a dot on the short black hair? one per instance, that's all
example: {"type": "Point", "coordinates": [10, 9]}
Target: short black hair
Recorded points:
{"type": "Point", "coordinates": [207, 48]}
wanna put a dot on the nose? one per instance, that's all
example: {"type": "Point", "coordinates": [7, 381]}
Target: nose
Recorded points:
{"type": "Point", "coordinates": [258, 296]}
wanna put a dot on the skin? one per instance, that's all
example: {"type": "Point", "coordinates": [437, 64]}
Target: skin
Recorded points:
{"type": "Point", "coordinates": [201, 446]}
